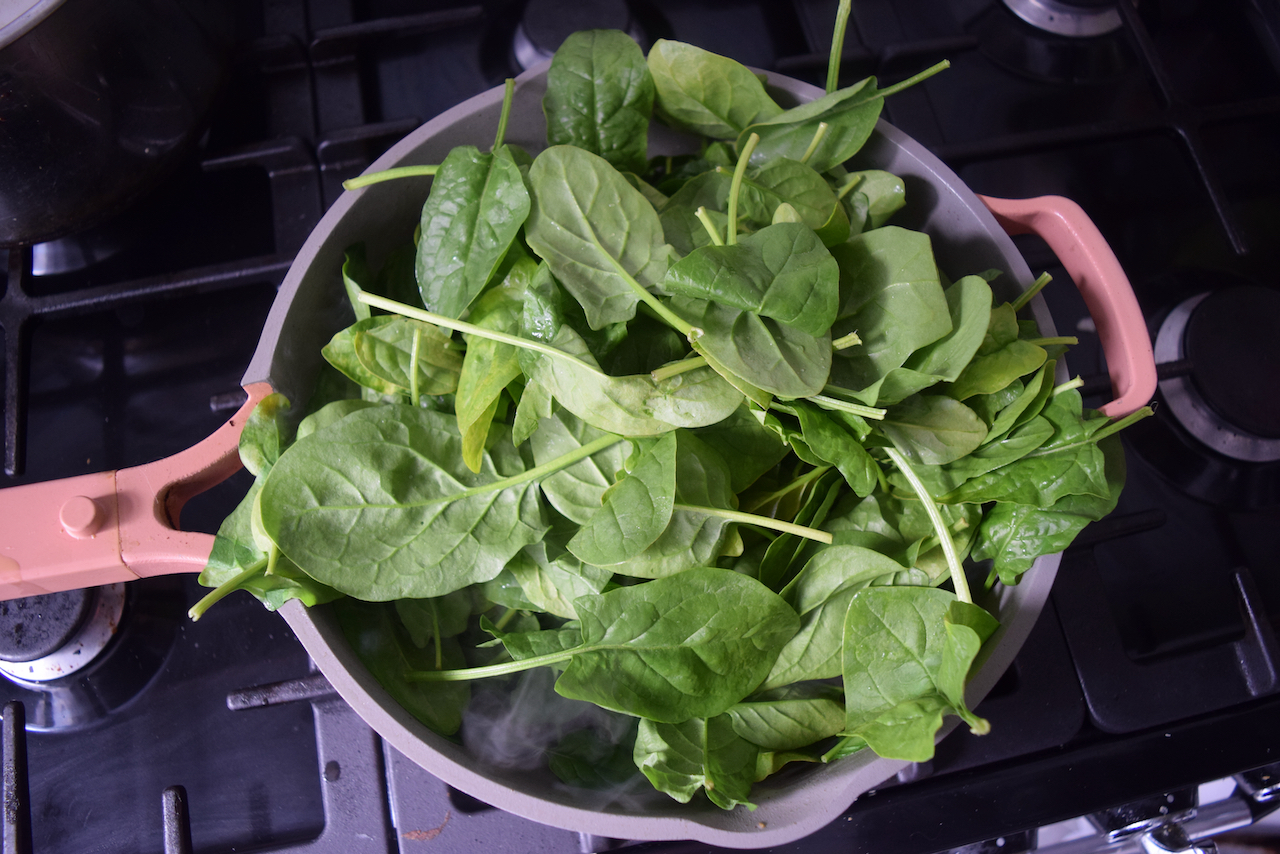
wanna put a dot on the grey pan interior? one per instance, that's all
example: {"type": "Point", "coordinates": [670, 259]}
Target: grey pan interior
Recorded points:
{"type": "Point", "coordinates": [311, 306]}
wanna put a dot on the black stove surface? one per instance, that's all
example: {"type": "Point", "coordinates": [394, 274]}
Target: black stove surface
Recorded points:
{"type": "Point", "coordinates": [1154, 668]}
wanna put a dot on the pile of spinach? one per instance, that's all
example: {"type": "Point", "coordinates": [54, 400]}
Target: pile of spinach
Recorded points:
{"type": "Point", "coordinates": [707, 435]}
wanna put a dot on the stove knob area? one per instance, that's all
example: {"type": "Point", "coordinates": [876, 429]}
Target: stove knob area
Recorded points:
{"type": "Point", "coordinates": [1171, 838]}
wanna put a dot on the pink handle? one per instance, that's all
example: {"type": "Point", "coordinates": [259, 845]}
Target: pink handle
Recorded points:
{"type": "Point", "coordinates": [1106, 290]}
{"type": "Point", "coordinates": [114, 526]}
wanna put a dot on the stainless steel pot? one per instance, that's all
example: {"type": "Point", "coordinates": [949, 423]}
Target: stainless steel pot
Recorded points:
{"type": "Point", "coordinates": [132, 510]}
{"type": "Point", "coordinates": [99, 100]}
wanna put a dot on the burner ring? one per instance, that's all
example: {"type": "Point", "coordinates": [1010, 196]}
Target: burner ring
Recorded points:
{"type": "Point", "coordinates": [80, 650]}
{"type": "Point", "coordinates": [1073, 20]}
{"type": "Point", "coordinates": [1190, 408]}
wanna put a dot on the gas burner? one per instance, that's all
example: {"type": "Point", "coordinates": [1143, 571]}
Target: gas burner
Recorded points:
{"type": "Point", "coordinates": [1058, 41]}
{"type": "Point", "coordinates": [75, 657]}
{"type": "Point", "coordinates": [1071, 18]}
{"type": "Point", "coordinates": [1227, 400]}
{"type": "Point", "coordinates": [49, 637]}
{"type": "Point", "coordinates": [546, 23]}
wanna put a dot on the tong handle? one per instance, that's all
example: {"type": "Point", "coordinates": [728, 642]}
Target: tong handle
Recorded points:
{"type": "Point", "coordinates": [113, 526]}
{"type": "Point", "coordinates": [1092, 265]}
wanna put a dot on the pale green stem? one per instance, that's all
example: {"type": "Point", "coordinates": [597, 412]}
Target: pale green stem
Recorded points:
{"type": "Point", "coordinates": [666, 372]}
{"type": "Point", "coordinates": [273, 558]}
{"type": "Point", "coordinates": [233, 583]}
{"type": "Point", "coordinates": [848, 186]}
{"type": "Point", "coordinates": [760, 522]}
{"type": "Point", "coordinates": [835, 403]}
{"type": "Point", "coordinates": [505, 668]}
{"type": "Point", "coordinates": [1069, 340]}
{"type": "Point", "coordinates": [1117, 426]}
{"type": "Point", "coordinates": [958, 578]}
{"type": "Point", "coordinates": [435, 633]}
{"type": "Point", "coordinates": [844, 342]}
{"type": "Point", "coordinates": [837, 45]}
{"type": "Point", "coordinates": [911, 81]}
{"type": "Point", "coordinates": [736, 185]}
{"type": "Point", "coordinates": [818, 136]}
{"type": "Point", "coordinates": [1067, 386]}
{"type": "Point", "coordinates": [705, 219]}
{"type": "Point", "coordinates": [549, 467]}
{"type": "Point", "coordinates": [505, 619]}
{"type": "Point", "coordinates": [507, 94]}
{"type": "Point", "coordinates": [471, 329]}
{"type": "Point", "coordinates": [389, 175]}
{"type": "Point", "coordinates": [799, 483]}
{"type": "Point", "coordinates": [1036, 287]}
{"type": "Point", "coordinates": [414, 397]}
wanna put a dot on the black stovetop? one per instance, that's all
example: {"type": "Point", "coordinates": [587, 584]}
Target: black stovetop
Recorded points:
{"type": "Point", "coordinates": [1154, 667]}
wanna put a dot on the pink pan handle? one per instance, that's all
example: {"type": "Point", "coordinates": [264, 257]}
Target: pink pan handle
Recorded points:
{"type": "Point", "coordinates": [1106, 290]}
{"type": "Point", "coordinates": [114, 526]}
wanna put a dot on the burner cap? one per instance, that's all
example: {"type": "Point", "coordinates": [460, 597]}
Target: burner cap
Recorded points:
{"type": "Point", "coordinates": [1235, 356]}
{"type": "Point", "coordinates": [37, 626]}
{"type": "Point", "coordinates": [547, 23]}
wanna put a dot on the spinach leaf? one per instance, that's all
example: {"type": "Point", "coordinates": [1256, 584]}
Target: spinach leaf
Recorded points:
{"type": "Point", "coordinates": [535, 405]}
{"type": "Point", "coordinates": [599, 97]}
{"type": "Point", "coordinates": [932, 429]}
{"type": "Point", "coordinates": [906, 652]}
{"type": "Point", "coordinates": [704, 93]}
{"type": "Point", "coordinates": [691, 537]}
{"type": "Point", "coordinates": [576, 491]}
{"type": "Point", "coordinates": [429, 621]}
{"type": "Point", "coordinates": [1014, 535]}
{"type": "Point", "coordinates": [355, 270]}
{"type": "Point", "coordinates": [635, 405]}
{"type": "Point", "coordinates": [785, 555]}
{"type": "Point", "coordinates": [790, 182]}
{"type": "Point", "coordinates": [675, 648]}
{"type": "Point", "coordinates": [821, 594]}
{"type": "Point", "coordinates": [699, 754]}
{"type": "Point", "coordinates": [1068, 464]}
{"type": "Point", "coordinates": [753, 448]}
{"type": "Point", "coordinates": [993, 371]}
{"type": "Point", "coordinates": [767, 354]}
{"type": "Point", "coordinates": [782, 271]}
{"type": "Point", "coordinates": [409, 355]}
{"type": "Point", "coordinates": [850, 115]}
{"type": "Point", "coordinates": [267, 432]}
{"type": "Point", "coordinates": [335, 411]}
{"type": "Point", "coordinates": [600, 235]}
{"type": "Point", "coordinates": [635, 511]}
{"type": "Point", "coordinates": [884, 192]}
{"type": "Point", "coordinates": [680, 224]}
{"type": "Point", "coordinates": [551, 585]}
{"type": "Point", "coordinates": [836, 438]}
{"type": "Point", "coordinates": [892, 297]}
{"type": "Point", "coordinates": [490, 366]}
{"type": "Point", "coordinates": [238, 561]}
{"type": "Point", "coordinates": [340, 352]}
{"type": "Point", "coordinates": [382, 643]}
{"type": "Point", "coordinates": [969, 302]}
{"type": "Point", "coordinates": [477, 205]}
{"type": "Point", "coordinates": [380, 506]}
{"type": "Point", "coordinates": [789, 718]}
{"type": "Point", "coordinates": [598, 757]}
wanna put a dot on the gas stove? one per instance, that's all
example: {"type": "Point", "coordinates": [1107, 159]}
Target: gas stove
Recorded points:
{"type": "Point", "coordinates": [1155, 667]}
